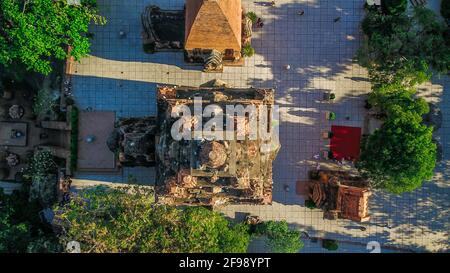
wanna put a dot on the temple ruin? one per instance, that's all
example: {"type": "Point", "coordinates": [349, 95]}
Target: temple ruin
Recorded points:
{"type": "Point", "coordinates": [202, 171]}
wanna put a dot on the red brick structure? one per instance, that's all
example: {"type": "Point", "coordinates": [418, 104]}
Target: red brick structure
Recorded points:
{"type": "Point", "coordinates": [340, 195]}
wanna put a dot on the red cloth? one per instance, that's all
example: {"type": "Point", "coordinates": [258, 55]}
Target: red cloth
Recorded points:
{"type": "Point", "coordinates": [345, 143]}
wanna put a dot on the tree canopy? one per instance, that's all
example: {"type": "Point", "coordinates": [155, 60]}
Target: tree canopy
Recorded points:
{"type": "Point", "coordinates": [400, 155]}
{"type": "Point", "coordinates": [394, 7]}
{"type": "Point", "coordinates": [280, 239]}
{"type": "Point", "coordinates": [113, 220]}
{"type": "Point", "coordinates": [33, 32]}
{"type": "Point", "coordinates": [402, 48]}
{"type": "Point", "coordinates": [400, 52]}
{"type": "Point", "coordinates": [21, 229]}
{"type": "Point", "coordinates": [393, 98]}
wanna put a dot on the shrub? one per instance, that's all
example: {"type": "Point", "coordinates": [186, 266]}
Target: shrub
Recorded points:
{"type": "Point", "coordinates": [248, 51]}
{"type": "Point", "coordinates": [252, 16]}
{"type": "Point", "coordinates": [280, 238]}
{"type": "Point", "coordinates": [310, 204]}
{"type": "Point", "coordinates": [44, 103]}
{"type": "Point", "coordinates": [21, 229]}
{"type": "Point", "coordinates": [41, 164]}
{"type": "Point", "coordinates": [330, 245]}
{"type": "Point", "coordinates": [394, 7]}
{"type": "Point", "coordinates": [332, 116]}
{"type": "Point", "coordinates": [41, 171]}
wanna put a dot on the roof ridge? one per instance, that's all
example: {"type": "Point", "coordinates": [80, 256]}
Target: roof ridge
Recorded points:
{"type": "Point", "coordinates": [238, 39]}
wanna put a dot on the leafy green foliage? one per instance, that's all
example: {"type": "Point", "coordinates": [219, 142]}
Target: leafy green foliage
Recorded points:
{"type": "Point", "coordinates": [34, 32]}
{"type": "Point", "coordinates": [127, 220]}
{"type": "Point", "coordinates": [21, 229]}
{"type": "Point", "coordinates": [445, 9]}
{"type": "Point", "coordinates": [44, 102]}
{"type": "Point", "coordinates": [252, 16]}
{"type": "Point", "coordinates": [394, 7]}
{"type": "Point", "coordinates": [42, 173]}
{"type": "Point", "coordinates": [41, 164]}
{"type": "Point", "coordinates": [402, 48]}
{"type": "Point", "coordinates": [401, 154]}
{"type": "Point", "coordinates": [208, 231]}
{"type": "Point", "coordinates": [310, 204]}
{"type": "Point", "coordinates": [280, 239]}
{"type": "Point", "coordinates": [332, 116]}
{"type": "Point", "coordinates": [248, 50]}
{"type": "Point", "coordinates": [391, 99]}
{"type": "Point", "coordinates": [330, 245]}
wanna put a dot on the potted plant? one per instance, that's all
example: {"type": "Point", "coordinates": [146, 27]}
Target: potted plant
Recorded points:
{"type": "Point", "coordinates": [310, 204]}
{"type": "Point", "coordinates": [248, 50]}
{"type": "Point", "coordinates": [252, 16]}
{"type": "Point", "coordinates": [329, 96]}
{"type": "Point", "coordinates": [331, 116]}
{"type": "Point", "coordinates": [329, 244]}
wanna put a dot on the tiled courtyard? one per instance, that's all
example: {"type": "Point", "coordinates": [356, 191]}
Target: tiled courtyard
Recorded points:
{"type": "Point", "coordinates": [119, 76]}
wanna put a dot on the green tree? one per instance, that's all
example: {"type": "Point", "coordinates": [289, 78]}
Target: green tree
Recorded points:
{"type": "Point", "coordinates": [127, 220]}
{"type": "Point", "coordinates": [44, 102]}
{"type": "Point", "coordinates": [403, 48]}
{"type": "Point", "coordinates": [33, 32]}
{"type": "Point", "coordinates": [41, 164]}
{"type": "Point", "coordinates": [388, 99]}
{"type": "Point", "coordinates": [394, 7]}
{"type": "Point", "coordinates": [21, 229]}
{"type": "Point", "coordinates": [280, 238]}
{"type": "Point", "coordinates": [42, 172]}
{"type": "Point", "coordinates": [400, 155]}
